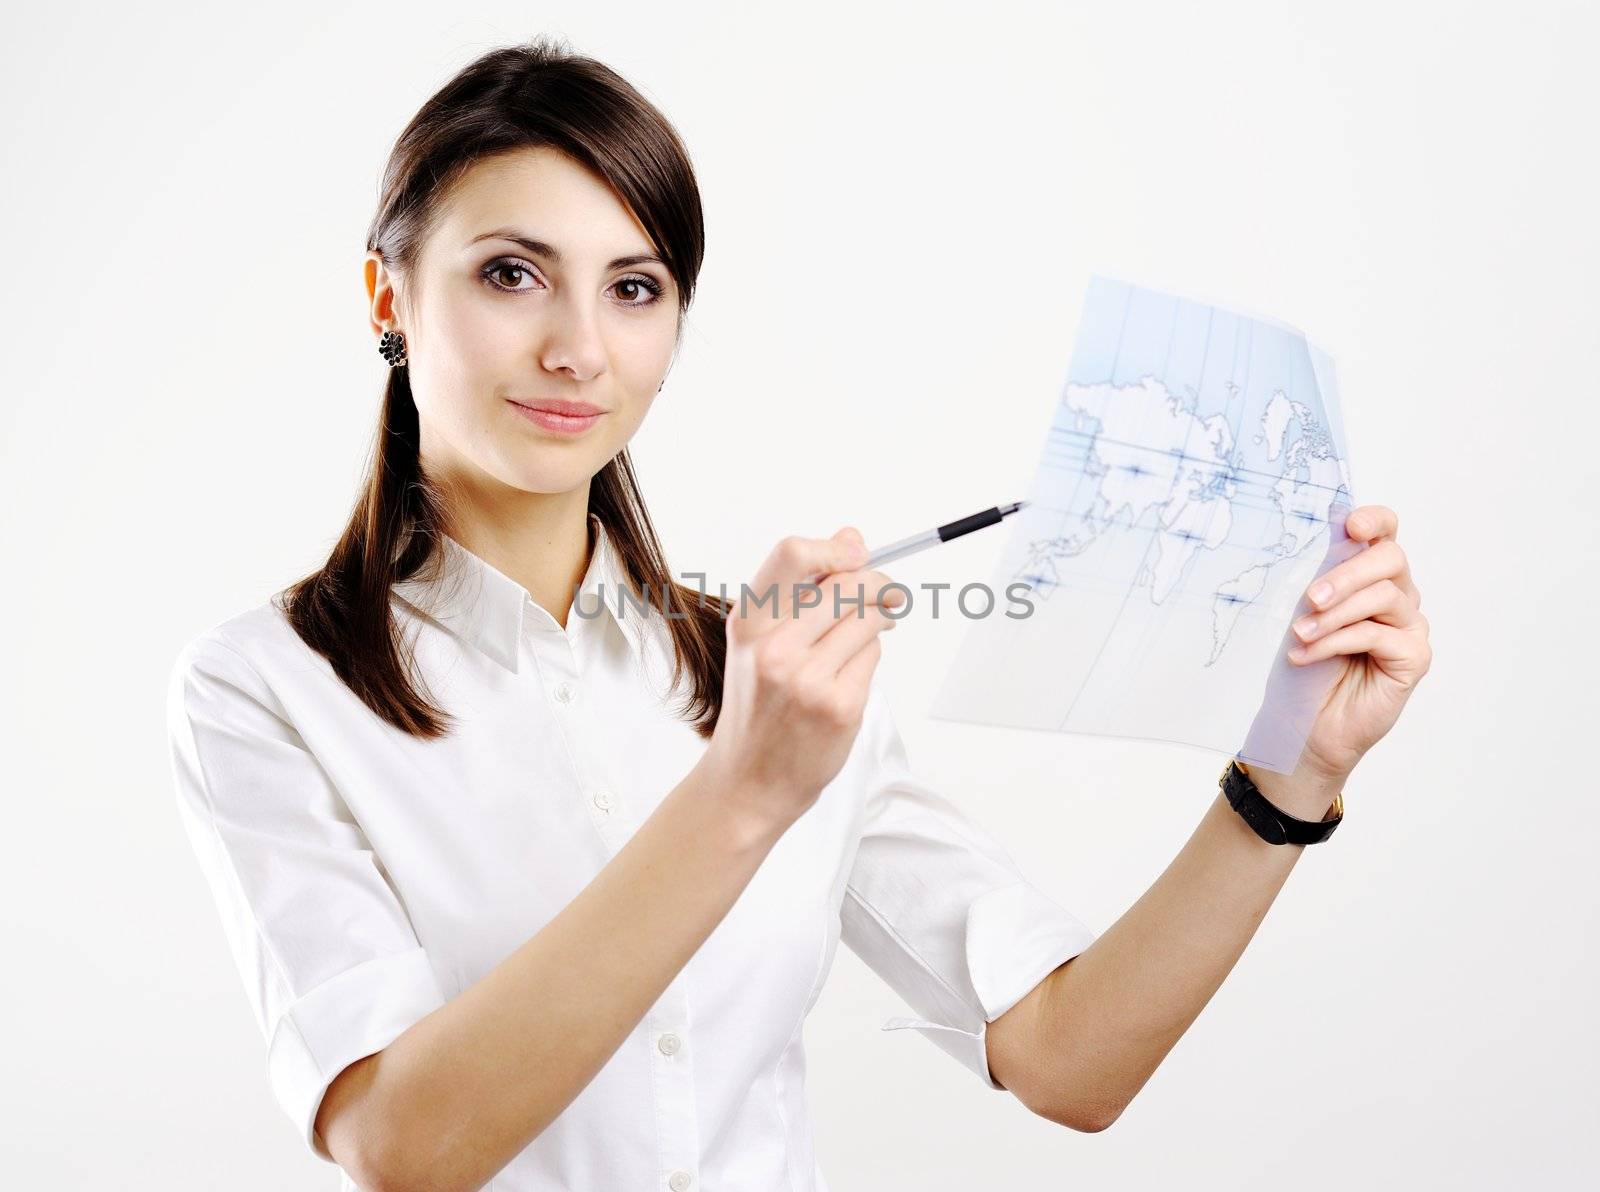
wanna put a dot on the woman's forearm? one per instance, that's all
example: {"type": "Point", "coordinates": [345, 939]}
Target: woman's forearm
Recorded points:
{"type": "Point", "coordinates": [461, 1092]}
{"type": "Point", "coordinates": [1086, 1039]}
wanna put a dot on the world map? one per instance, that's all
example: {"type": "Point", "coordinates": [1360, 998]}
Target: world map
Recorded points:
{"type": "Point", "coordinates": [1188, 487]}
{"type": "Point", "coordinates": [1192, 484]}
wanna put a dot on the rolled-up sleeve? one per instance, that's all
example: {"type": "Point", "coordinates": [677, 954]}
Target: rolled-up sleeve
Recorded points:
{"type": "Point", "coordinates": [940, 911]}
{"type": "Point", "coordinates": [330, 961]}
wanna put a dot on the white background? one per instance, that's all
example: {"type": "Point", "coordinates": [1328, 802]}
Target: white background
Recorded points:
{"type": "Point", "coordinates": [904, 204]}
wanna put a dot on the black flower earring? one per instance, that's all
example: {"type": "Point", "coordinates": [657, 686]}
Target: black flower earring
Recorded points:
{"type": "Point", "coordinates": [392, 347]}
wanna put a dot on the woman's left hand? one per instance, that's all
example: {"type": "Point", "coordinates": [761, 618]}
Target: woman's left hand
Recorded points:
{"type": "Point", "coordinates": [1367, 612]}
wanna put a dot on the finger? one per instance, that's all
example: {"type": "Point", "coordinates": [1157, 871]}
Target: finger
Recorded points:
{"type": "Point", "coordinates": [1398, 650]}
{"type": "Point", "coordinates": [1382, 560]}
{"type": "Point", "coordinates": [1383, 602]}
{"type": "Point", "coordinates": [795, 560]}
{"type": "Point", "coordinates": [846, 637]}
{"type": "Point", "coordinates": [1375, 523]}
{"type": "Point", "coordinates": [856, 674]}
{"type": "Point", "coordinates": [849, 595]}
{"type": "Point", "coordinates": [1369, 522]}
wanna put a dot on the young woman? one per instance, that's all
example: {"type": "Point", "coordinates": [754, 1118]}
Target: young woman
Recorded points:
{"type": "Point", "coordinates": [532, 885]}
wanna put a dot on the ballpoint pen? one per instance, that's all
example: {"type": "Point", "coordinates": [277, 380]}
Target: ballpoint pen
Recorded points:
{"type": "Point", "coordinates": [944, 533]}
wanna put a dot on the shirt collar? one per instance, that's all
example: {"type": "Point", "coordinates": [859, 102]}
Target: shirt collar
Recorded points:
{"type": "Point", "coordinates": [488, 609]}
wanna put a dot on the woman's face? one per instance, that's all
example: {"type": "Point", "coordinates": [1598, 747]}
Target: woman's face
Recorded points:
{"type": "Point", "coordinates": [584, 312]}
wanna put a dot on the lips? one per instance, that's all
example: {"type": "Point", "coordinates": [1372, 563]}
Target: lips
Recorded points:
{"type": "Point", "coordinates": [555, 416]}
{"type": "Point", "coordinates": [569, 409]}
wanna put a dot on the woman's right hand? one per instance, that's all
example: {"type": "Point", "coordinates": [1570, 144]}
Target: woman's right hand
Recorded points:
{"type": "Point", "coordinates": [797, 675]}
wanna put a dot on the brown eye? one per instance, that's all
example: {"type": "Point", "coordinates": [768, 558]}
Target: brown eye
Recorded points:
{"type": "Point", "coordinates": [635, 283]}
{"type": "Point", "coordinates": [505, 274]}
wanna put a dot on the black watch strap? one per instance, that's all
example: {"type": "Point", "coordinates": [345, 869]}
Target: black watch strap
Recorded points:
{"type": "Point", "coordinates": [1272, 825]}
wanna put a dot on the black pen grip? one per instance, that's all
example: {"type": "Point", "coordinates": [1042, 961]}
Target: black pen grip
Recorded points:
{"type": "Point", "coordinates": [968, 524]}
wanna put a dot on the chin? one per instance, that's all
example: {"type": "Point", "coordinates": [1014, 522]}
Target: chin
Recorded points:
{"type": "Point", "coordinates": [550, 475]}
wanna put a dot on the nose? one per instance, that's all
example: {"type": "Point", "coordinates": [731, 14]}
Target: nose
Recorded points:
{"type": "Point", "coordinates": [572, 340]}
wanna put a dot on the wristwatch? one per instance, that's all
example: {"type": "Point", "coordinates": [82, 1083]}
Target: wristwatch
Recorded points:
{"type": "Point", "coordinates": [1272, 825]}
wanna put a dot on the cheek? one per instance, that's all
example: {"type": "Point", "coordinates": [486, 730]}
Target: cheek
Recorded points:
{"type": "Point", "coordinates": [641, 366]}
{"type": "Point", "coordinates": [642, 355]}
{"type": "Point", "coordinates": [471, 349]}
{"type": "Point", "coordinates": [634, 415]}
{"type": "Point", "coordinates": [476, 338]}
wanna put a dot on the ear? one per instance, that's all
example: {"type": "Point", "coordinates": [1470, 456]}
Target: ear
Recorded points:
{"type": "Point", "coordinates": [380, 292]}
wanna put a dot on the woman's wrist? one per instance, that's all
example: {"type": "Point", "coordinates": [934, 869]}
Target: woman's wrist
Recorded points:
{"type": "Point", "coordinates": [749, 813]}
{"type": "Point", "coordinates": [1306, 794]}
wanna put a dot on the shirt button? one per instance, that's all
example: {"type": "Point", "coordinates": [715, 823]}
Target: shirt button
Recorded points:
{"type": "Point", "coordinates": [678, 1181]}
{"type": "Point", "coordinates": [669, 1044]}
{"type": "Point", "coordinates": [603, 800]}
{"type": "Point", "coordinates": [564, 693]}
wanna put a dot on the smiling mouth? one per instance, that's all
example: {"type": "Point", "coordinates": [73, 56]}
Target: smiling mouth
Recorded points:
{"type": "Point", "coordinates": [561, 417]}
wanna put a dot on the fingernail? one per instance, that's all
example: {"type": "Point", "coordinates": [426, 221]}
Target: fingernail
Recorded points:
{"type": "Point", "coordinates": [1321, 592]}
{"type": "Point", "coordinates": [1305, 626]}
{"type": "Point", "coordinates": [1297, 653]}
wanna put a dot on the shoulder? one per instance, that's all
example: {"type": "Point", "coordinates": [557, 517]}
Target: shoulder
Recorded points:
{"type": "Point", "coordinates": [242, 652]}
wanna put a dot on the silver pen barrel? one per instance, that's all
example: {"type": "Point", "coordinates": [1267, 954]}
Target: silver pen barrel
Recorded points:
{"type": "Point", "coordinates": [905, 546]}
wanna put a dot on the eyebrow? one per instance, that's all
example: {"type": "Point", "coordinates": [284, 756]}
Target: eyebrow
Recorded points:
{"type": "Point", "coordinates": [549, 251]}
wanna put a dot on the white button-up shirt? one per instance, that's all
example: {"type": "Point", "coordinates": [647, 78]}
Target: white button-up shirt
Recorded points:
{"type": "Point", "coordinates": [365, 877]}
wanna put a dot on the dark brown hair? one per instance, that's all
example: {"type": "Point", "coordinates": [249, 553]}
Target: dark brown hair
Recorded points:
{"type": "Point", "coordinates": [514, 97]}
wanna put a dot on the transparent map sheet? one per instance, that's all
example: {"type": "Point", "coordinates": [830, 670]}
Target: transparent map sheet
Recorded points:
{"type": "Point", "coordinates": [1194, 483]}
